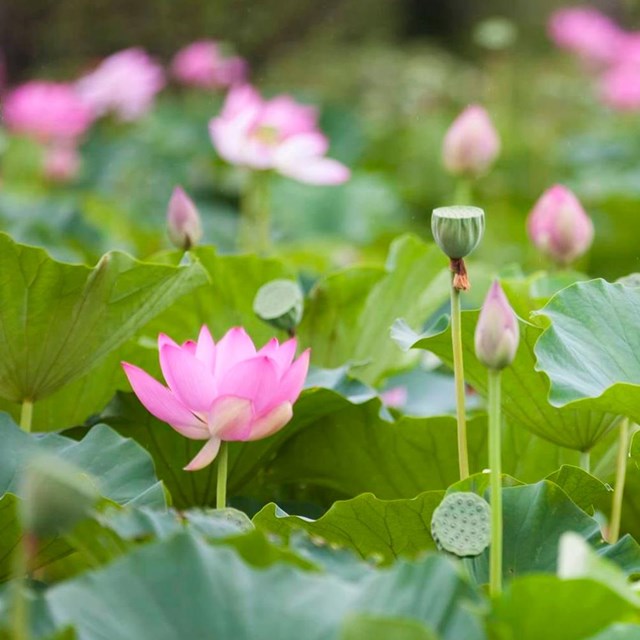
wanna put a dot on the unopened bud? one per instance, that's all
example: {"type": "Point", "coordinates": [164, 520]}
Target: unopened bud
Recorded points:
{"type": "Point", "coordinates": [497, 332]}
{"type": "Point", "coordinates": [183, 220]}
{"type": "Point", "coordinates": [280, 303]}
{"type": "Point", "coordinates": [61, 162]}
{"type": "Point", "coordinates": [558, 225]}
{"type": "Point", "coordinates": [55, 496]}
{"type": "Point", "coordinates": [471, 144]}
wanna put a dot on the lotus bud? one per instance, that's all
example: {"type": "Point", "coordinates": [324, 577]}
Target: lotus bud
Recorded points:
{"type": "Point", "coordinates": [183, 220]}
{"type": "Point", "coordinates": [558, 225]}
{"type": "Point", "coordinates": [497, 333]}
{"type": "Point", "coordinates": [61, 162]}
{"type": "Point", "coordinates": [457, 231]}
{"type": "Point", "coordinates": [55, 496]}
{"type": "Point", "coordinates": [471, 144]}
{"type": "Point", "coordinates": [280, 303]}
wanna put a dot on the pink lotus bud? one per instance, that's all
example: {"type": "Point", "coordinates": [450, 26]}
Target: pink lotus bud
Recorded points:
{"type": "Point", "coordinates": [497, 333]}
{"type": "Point", "coordinates": [225, 390]}
{"type": "Point", "coordinates": [61, 162]}
{"type": "Point", "coordinates": [471, 143]}
{"type": "Point", "coordinates": [183, 220]}
{"type": "Point", "coordinates": [559, 226]}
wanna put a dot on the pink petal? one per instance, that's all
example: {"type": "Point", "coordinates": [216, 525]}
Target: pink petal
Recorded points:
{"type": "Point", "coordinates": [163, 339]}
{"type": "Point", "coordinates": [230, 418]}
{"type": "Point", "coordinates": [188, 378]}
{"type": "Point", "coordinates": [160, 402]}
{"type": "Point", "coordinates": [206, 349]}
{"type": "Point", "coordinates": [281, 354]}
{"type": "Point", "coordinates": [293, 380]}
{"type": "Point", "coordinates": [255, 379]}
{"type": "Point", "coordinates": [318, 171]}
{"type": "Point", "coordinates": [189, 346]}
{"type": "Point", "coordinates": [205, 456]}
{"type": "Point", "coordinates": [302, 147]}
{"type": "Point", "coordinates": [271, 422]}
{"type": "Point", "coordinates": [233, 347]}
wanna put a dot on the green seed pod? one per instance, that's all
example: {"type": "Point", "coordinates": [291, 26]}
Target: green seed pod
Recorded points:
{"type": "Point", "coordinates": [280, 303]}
{"type": "Point", "coordinates": [55, 496]}
{"type": "Point", "coordinates": [462, 524]}
{"type": "Point", "coordinates": [457, 230]}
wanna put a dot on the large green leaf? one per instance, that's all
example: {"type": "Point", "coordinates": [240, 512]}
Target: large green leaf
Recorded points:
{"type": "Point", "coordinates": [122, 469]}
{"type": "Point", "coordinates": [591, 348]}
{"type": "Point", "coordinates": [58, 320]}
{"type": "Point", "coordinates": [524, 390]}
{"type": "Point", "coordinates": [535, 607]}
{"type": "Point", "coordinates": [226, 598]}
{"type": "Point", "coordinates": [368, 627]}
{"type": "Point", "coordinates": [349, 314]}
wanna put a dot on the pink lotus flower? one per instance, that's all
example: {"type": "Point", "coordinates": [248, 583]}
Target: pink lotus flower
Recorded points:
{"type": "Point", "coordinates": [278, 134]}
{"type": "Point", "coordinates": [47, 111]}
{"type": "Point", "coordinates": [497, 333]}
{"type": "Point", "coordinates": [223, 391]}
{"type": "Point", "coordinates": [61, 162]}
{"type": "Point", "coordinates": [395, 397]}
{"type": "Point", "coordinates": [586, 32]}
{"type": "Point", "coordinates": [202, 64]}
{"type": "Point", "coordinates": [183, 220]}
{"type": "Point", "coordinates": [558, 225]}
{"type": "Point", "coordinates": [125, 84]}
{"type": "Point", "coordinates": [620, 87]}
{"type": "Point", "coordinates": [471, 144]}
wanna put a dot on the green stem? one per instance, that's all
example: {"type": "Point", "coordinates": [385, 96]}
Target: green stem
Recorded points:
{"type": "Point", "coordinates": [458, 373]}
{"type": "Point", "coordinates": [223, 465]}
{"type": "Point", "coordinates": [585, 461]}
{"type": "Point", "coordinates": [20, 613]}
{"type": "Point", "coordinates": [621, 472]}
{"type": "Point", "coordinates": [495, 465]}
{"type": "Point", "coordinates": [462, 193]}
{"type": "Point", "coordinates": [254, 232]}
{"type": "Point", "coordinates": [26, 414]}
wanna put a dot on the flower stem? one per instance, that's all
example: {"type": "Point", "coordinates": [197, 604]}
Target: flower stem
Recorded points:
{"type": "Point", "coordinates": [495, 465]}
{"type": "Point", "coordinates": [254, 232]}
{"type": "Point", "coordinates": [223, 466]}
{"type": "Point", "coordinates": [458, 373]}
{"type": "Point", "coordinates": [462, 193]}
{"type": "Point", "coordinates": [621, 471]}
{"type": "Point", "coordinates": [585, 461]}
{"type": "Point", "coordinates": [26, 414]}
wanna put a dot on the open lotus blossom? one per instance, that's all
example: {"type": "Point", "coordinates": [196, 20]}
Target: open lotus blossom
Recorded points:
{"type": "Point", "coordinates": [202, 64]}
{"type": "Point", "coordinates": [588, 33]}
{"type": "Point", "coordinates": [471, 143]}
{"type": "Point", "coordinates": [125, 84]}
{"type": "Point", "coordinates": [558, 225]}
{"type": "Point", "coordinates": [223, 391]}
{"type": "Point", "coordinates": [47, 111]}
{"type": "Point", "coordinates": [278, 134]}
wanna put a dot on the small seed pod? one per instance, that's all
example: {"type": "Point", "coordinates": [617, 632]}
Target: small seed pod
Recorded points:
{"type": "Point", "coordinates": [461, 524]}
{"type": "Point", "coordinates": [280, 303]}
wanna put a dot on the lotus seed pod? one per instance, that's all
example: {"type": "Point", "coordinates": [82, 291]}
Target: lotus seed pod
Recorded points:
{"type": "Point", "coordinates": [461, 524]}
{"type": "Point", "coordinates": [55, 496]}
{"type": "Point", "coordinates": [183, 220]}
{"type": "Point", "coordinates": [497, 333]}
{"type": "Point", "coordinates": [457, 230]}
{"type": "Point", "coordinates": [280, 303]}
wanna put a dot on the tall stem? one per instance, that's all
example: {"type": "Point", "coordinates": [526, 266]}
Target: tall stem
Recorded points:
{"type": "Point", "coordinates": [223, 466]}
{"type": "Point", "coordinates": [458, 373]}
{"type": "Point", "coordinates": [462, 193]}
{"type": "Point", "coordinates": [26, 414]}
{"type": "Point", "coordinates": [585, 461]}
{"type": "Point", "coordinates": [621, 472]}
{"type": "Point", "coordinates": [254, 232]}
{"type": "Point", "coordinates": [495, 465]}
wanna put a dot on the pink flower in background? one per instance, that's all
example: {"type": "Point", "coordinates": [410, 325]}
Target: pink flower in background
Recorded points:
{"type": "Point", "coordinates": [620, 87]}
{"type": "Point", "coordinates": [47, 111]}
{"type": "Point", "coordinates": [558, 225]}
{"type": "Point", "coordinates": [125, 84]}
{"type": "Point", "coordinates": [61, 162]}
{"type": "Point", "coordinates": [183, 220]}
{"type": "Point", "coordinates": [278, 134]}
{"type": "Point", "coordinates": [471, 143]}
{"type": "Point", "coordinates": [586, 32]}
{"type": "Point", "coordinates": [223, 391]}
{"type": "Point", "coordinates": [202, 64]}
{"type": "Point", "coordinates": [395, 397]}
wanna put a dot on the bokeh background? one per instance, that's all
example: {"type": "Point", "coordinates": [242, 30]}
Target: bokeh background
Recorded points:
{"type": "Point", "coordinates": [389, 77]}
